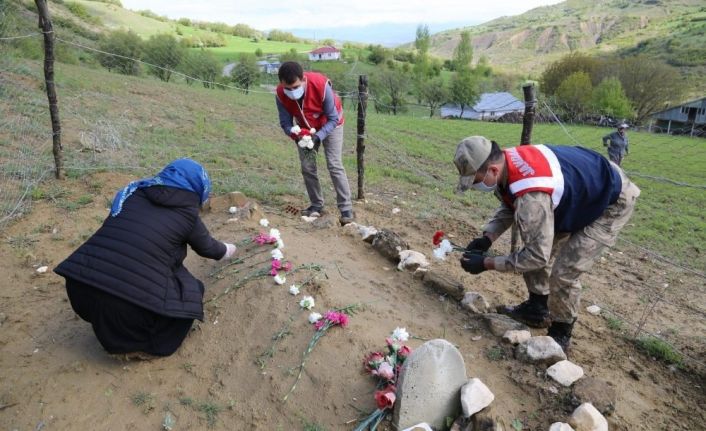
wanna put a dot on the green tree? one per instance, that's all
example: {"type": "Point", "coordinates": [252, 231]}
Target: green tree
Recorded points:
{"type": "Point", "coordinates": [202, 65]}
{"type": "Point", "coordinates": [423, 40]}
{"type": "Point", "coordinates": [246, 73]}
{"type": "Point", "coordinates": [609, 99]}
{"type": "Point", "coordinates": [434, 94]}
{"type": "Point", "coordinates": [574, 95]}
{"type": "Point", "coordinates": [258, 53]}
{"type": "Point", "coordinates": [165, 52]}
{"type": "Point", "coordinates": [464, 88]}
{"type": "Point", "coordinates": [463, 53]}
{"type": "Point", "coordinates": [554, 75]}
{"type": "Point", "coordinates": [390, 87]}
{"type": "Point", "coordinates": [649, 84]}
{"type": "Point", "coordinates": [292, 55]}
{"type": "Point", "coordinates": [244, 30]}
{"type": "Point", "coordinates": [378, 54]}
{"type": "Point", "coordinates": [125, 44]}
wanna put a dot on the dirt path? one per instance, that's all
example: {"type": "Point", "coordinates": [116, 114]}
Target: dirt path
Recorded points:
{"type": "Point", "coordinates": [54, 374]}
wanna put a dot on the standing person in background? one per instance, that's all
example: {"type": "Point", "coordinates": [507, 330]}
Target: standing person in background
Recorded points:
{"type": "Point", "coordinates": [128, 279]}
{"type": "Point", "coordinates": [617, 143]}
{"type": "Point", "coordinates": [308, 98]}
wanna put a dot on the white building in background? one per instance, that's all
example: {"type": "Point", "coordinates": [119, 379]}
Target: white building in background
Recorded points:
{"type": "Point", "coordinates": [325, 53]}
{"type": "Point", "coordinates": [490, 106]}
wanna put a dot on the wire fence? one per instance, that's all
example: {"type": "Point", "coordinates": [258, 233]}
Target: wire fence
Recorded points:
{"type": "Point", "coordinates": [108, 128]}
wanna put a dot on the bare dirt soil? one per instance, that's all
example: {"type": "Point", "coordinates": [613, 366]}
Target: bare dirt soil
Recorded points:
{"type": "Point", "coordinates": [55, 376]}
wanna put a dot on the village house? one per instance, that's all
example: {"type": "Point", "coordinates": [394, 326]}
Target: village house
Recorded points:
{"type": "Point", "coordinates": [325, 53]}
{"type": "Point", "coordinates": [686, 119]}
{"type": "Point", "coordinates": [490, 107]}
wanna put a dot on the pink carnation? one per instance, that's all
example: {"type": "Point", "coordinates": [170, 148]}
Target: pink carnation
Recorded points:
{"type": "Point", "coordinates": [385, 398]}
{"type": "Point", "coordinates": [393, 344]}
{"type": "Point", "coordinates": [337, 318]}
{"type": "Point", "coordinates": [287, 267]}
{"type": "Point", "coordinates": [373, 360]}
{"type": "Point", "coordinates": [263, 238]}
{"type": "Point", "coordinates": [276, 266]}
{"type": "Point", "coordinates": [385, 371]}
{"type": "Point", "coordinates": [404, 351]}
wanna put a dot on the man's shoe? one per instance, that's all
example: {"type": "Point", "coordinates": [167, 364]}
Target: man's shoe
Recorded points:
{"type": "Point", "coordinates": [561, 333]}
{"type": "Point", "coordinates": [313, 211]}
{"type": "Point", "coordinates": [533, 312]}
{"type": "Point", "coordinates": [346, 217]}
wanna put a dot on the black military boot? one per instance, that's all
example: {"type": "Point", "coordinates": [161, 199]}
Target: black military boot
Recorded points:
{"type": "Point", "coordinates": [533, 312]}
{"type": "Point", "coordinates": [561, 333]}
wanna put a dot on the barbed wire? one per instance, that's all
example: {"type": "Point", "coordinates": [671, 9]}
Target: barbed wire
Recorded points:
{"type": "Point", "coordinates": [166, 69]}
{"type": "Point", "coordinates": [410, 163]}
{"type": "Point", "coordinates": [23, 36]}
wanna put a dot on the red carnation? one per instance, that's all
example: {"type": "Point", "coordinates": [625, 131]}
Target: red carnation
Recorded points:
{"type": "Point", "coordinates": [438, 236]}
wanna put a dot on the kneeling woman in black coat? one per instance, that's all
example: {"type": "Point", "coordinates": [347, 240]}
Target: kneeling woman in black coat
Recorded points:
{"type": "Point", "coordinates": [128, 279]}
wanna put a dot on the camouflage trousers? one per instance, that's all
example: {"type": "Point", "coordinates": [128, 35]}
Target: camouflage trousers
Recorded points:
{"type": "Point", "coordinates": [574, 254]}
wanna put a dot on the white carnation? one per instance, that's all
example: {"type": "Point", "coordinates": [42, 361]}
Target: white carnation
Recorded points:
{"type": "Point", "coordinates": [264, 222]}
{"type": "Point", "coordinates": [400, 334]}
{"type": "Point", "coordinates": [314, 317]}
{"type": "Point", "coordinates": [294, 290]}
{"type": "Point", "coordinates": [296, 129]}
{"type": "Point", "coordinates": [307, 302]}
{"type": "Point", "coordinates": [275, 233]}
{"type": "Point", "coordinates": [280, 279]}
{"type": "Point", "coordinates": [280, 243]}
{"type": "Point", "coordinates": [277, 254]}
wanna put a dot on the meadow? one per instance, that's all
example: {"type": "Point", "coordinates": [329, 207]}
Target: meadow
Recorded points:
{"type": "Point", "coordinates": [114, 17]}
{"type": "Point", "coordinates": [238, 138]}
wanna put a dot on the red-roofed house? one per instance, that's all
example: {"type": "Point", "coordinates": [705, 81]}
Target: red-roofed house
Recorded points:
{"type": "Point", "coordinates": [325, 53]}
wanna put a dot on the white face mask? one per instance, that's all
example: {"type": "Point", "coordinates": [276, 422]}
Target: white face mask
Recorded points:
{"type": "Point", "coordinates": [483, 187]}
{"type": "Point", "coordinates": [296, 93]}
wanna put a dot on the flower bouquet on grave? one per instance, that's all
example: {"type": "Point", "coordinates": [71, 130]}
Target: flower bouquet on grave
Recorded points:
{"type": "Point", "coordinates": [385, 368]}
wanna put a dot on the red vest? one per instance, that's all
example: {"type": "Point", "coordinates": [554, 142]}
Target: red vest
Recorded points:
{"type": "Point", "coordinates": [532, 168]}
{"type": "Point", "coordinates": [311, 114]}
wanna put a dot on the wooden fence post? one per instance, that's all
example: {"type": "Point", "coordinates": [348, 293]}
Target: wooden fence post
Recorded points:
{"type": "Point", "coordinates": [360, 142]}
{"type": "Point", "coordinates": [525, 139]}
{"type": "Point", "coordinates": [48, 30]}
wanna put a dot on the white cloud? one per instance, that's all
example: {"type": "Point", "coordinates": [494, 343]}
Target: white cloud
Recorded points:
{"type": "Point", "coordinates": [269, 14]}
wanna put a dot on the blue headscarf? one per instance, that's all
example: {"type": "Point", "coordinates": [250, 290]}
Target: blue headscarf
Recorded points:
{"type": "Point", "coordinates": [184, 174]}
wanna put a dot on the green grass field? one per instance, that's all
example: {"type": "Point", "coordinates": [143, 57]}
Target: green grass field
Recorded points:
{"type": "Point", "coordinates": [115, 18]}
{"type": "Point", "coordinates": [237, 137]}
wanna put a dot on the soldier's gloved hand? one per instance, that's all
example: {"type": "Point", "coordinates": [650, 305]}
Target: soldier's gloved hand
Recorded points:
{"type": "Point", "coordinates": [479, 245]}
{"type": "Point", "coordinates": [317, 141]}
{"type": "Point", "coordinates": [473, 263]}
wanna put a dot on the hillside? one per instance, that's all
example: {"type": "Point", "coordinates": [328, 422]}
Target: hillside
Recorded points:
{"type": "Point", "coordinates": [672, 30]}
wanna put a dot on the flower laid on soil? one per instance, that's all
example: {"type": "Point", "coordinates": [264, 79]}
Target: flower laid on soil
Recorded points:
{"type": "Point", "coordinates": [307, 302]}
{"type": "Point", "coordinates": [322, 324]}
{"type": "Point", "coordinates": [277, 254]}
{"type": "Point", "coordinates": [385, 367]}
{"type": "Point", "coordinates": [280, 279]}
{"type": "Point", "coordinates": [274, 233]}
{"type": "Point", "coordinates": [263, 238]}
{"type": "Point", "coordinates": [294, 290]}
{"type": "Point", "coordinates": [400, 334]}
{"type": "Point", "coordinates": [264, 222]}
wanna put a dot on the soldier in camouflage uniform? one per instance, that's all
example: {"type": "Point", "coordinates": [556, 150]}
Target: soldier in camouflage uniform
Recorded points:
{"type": "Point", "coordinates": [569, 203]}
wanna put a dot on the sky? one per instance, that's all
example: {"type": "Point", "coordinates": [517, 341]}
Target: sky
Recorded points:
{"type": "Point", "coordinates": [312, 15]}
